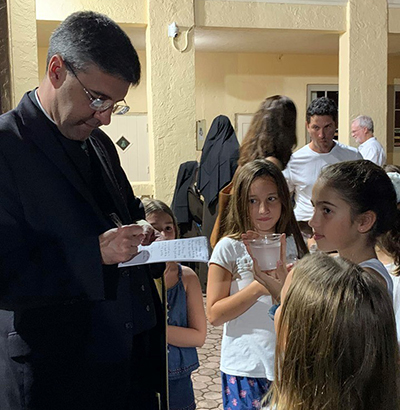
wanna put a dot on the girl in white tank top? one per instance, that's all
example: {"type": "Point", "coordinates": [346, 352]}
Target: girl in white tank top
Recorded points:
{"type": "Point", "coordinates": [354, 204]}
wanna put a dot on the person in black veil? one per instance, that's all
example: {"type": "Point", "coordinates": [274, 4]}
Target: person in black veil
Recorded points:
{"type": "Point", "coordinates": [218, 164]}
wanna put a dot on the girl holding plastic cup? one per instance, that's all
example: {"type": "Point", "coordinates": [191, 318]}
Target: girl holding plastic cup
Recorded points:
{"type": "Point", "coordinates": [261, 203]}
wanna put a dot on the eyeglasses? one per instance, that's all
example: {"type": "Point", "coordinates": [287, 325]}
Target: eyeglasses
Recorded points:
{"type": "Point", "coordinates": [99, 104]}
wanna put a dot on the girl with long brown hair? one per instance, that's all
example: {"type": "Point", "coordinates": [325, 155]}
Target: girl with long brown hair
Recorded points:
{"type": "Point", "coordinates": [260, 202]}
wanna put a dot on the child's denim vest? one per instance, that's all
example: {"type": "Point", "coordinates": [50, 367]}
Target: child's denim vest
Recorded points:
{"type": "Point", "coordinates": [181, 360]}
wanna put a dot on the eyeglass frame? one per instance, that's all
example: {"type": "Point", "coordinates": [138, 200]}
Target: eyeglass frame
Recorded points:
{"type": "Point", "coordinates": [104, 104]}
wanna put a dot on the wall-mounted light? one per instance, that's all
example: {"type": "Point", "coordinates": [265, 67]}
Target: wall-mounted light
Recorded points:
{"type": "Point", "coordinates": [173, 33]}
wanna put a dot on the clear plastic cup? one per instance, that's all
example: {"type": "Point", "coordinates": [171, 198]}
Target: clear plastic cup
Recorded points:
{"type": "Point", "coordinates": [266, 250]}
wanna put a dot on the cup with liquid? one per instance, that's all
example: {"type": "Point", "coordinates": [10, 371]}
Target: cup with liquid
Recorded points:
{"type": "Point", "coordinates": [266, 250]}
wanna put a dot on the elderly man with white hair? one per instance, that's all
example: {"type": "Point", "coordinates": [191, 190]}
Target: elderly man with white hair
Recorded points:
{"type": "Point", "coordinates": [362, 130]}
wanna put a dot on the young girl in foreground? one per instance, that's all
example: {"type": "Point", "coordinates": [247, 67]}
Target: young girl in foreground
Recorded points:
{"type": "Point", "coordinates": [187, 325]}
{"type": "Point", "coordinates": [336, 343]}
{"type": "Point", "coordinates": [355, 203]}
{"type": "Point", "coordinates": [260, 202]}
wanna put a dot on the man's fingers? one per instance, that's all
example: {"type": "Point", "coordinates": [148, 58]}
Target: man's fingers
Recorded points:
{"type": "Point", "coordinates": [133, 230]}
{"type": "Point", "coordinates": [120, 244]}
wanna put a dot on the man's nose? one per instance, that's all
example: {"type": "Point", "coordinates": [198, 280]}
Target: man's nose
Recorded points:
{"type": "Point", "coordinates": [104, 116]}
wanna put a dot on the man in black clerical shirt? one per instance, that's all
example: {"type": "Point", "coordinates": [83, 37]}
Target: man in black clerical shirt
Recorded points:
{"type": "Point", "coordinates": [76, 332]}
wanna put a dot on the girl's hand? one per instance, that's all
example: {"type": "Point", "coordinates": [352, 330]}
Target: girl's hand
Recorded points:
{"type": "Point", "coordinates": [272, 280]}
{"type": "Point", "coordinates": [250, 235]}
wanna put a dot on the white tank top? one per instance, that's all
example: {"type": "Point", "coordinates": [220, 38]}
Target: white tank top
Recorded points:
{"type": "Point", "coordinates": [379, 267]}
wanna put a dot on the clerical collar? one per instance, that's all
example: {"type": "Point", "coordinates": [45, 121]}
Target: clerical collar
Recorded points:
{"type": "Point", "coordinates": [41, 107]}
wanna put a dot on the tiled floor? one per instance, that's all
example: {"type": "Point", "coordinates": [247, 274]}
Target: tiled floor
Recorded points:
{"type": "Point", "coordinates": [207, 379]}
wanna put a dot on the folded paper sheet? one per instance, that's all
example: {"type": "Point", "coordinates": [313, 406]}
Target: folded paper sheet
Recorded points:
{"type": "Point", "coordinates": [179, 250]}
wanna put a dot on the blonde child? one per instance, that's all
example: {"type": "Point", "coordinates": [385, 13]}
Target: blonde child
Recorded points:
{"type": "Point", "coordinates": [187, 325]}
{"type": "Point", "coordinates": [260, 202]}
{"type": "Point", "coordinates": [336, 339]}
{"type": "Point", "coordinates": [354, 204]}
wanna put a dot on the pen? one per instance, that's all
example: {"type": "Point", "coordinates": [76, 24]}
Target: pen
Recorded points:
{"type": "Point", "coordinates": [115, 218]}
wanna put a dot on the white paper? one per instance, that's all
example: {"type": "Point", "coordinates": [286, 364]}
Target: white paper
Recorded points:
{"type": "Point", "coordinates": [176, 250]}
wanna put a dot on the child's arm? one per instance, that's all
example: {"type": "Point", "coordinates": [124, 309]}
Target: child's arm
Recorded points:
{"type": "Point", "coordinates": [221, 306]}
{"type": "Point", "coordinates": [195, 334]}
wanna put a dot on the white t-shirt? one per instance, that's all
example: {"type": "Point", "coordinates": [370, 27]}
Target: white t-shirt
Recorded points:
{"type": "Point", "coordinates": [303, 170]}
{"type": "Point", "coordinates": [379, 267]}
{"type": "Point", "coordinates": [248, 341]}
{"type": "Point", "coordinates": [390, 267]}
{"type": "Point", "coordinates": [372, 149]}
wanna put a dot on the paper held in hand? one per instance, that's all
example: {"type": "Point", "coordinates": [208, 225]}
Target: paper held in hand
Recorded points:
{"type": "Point", "coordinates": [177, 250]}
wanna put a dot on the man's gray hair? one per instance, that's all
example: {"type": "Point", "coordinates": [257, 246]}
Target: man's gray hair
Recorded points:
{"type": "Point", "coordinates": [365, 122]}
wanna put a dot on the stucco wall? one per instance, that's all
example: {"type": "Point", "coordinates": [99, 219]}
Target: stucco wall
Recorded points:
{"type": "Point", "coordinates": [217, 13]}
{"type": "Point", "coordinates": [229, 83]}
{"type": "Point", "coordinates": [122, 11]}
{"type": "Point", "coordinates": [23, 47]}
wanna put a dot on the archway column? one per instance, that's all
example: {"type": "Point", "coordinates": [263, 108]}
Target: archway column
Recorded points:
{"type": "Point", "coordinates": [363, 66]}
{"type": "Point", "coordinates": [170, 93]}
{"type": "Point", "coordinates": [22, 48]}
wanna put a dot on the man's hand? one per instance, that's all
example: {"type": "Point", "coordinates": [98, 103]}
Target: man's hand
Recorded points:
{"type": "Point", "coordinates": [150, 235]}
{"type": "Point", "coordinates": [121, 244]}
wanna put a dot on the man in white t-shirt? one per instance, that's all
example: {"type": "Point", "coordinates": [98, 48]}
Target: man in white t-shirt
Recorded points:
{"type": "Point", "coordinates": [362, 130]}
{"type": "Point", "coordinates": [305, 164]}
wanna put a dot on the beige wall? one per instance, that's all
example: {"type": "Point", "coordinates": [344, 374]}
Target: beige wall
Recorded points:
{"type": "Point", "coordinates": [22, 48]}
{"type": "Point", "coordinates": [259, 14]}
{"type": "Point", "coordinates": [229, 83]}
{"type": "Point", "coordinates": [122, 11]}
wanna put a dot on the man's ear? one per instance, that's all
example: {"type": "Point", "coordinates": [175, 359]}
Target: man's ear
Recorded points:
{"type": "Point", "coordinates": [56, 71]}
{"type": "Point", "coordinates": [366, 221]}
